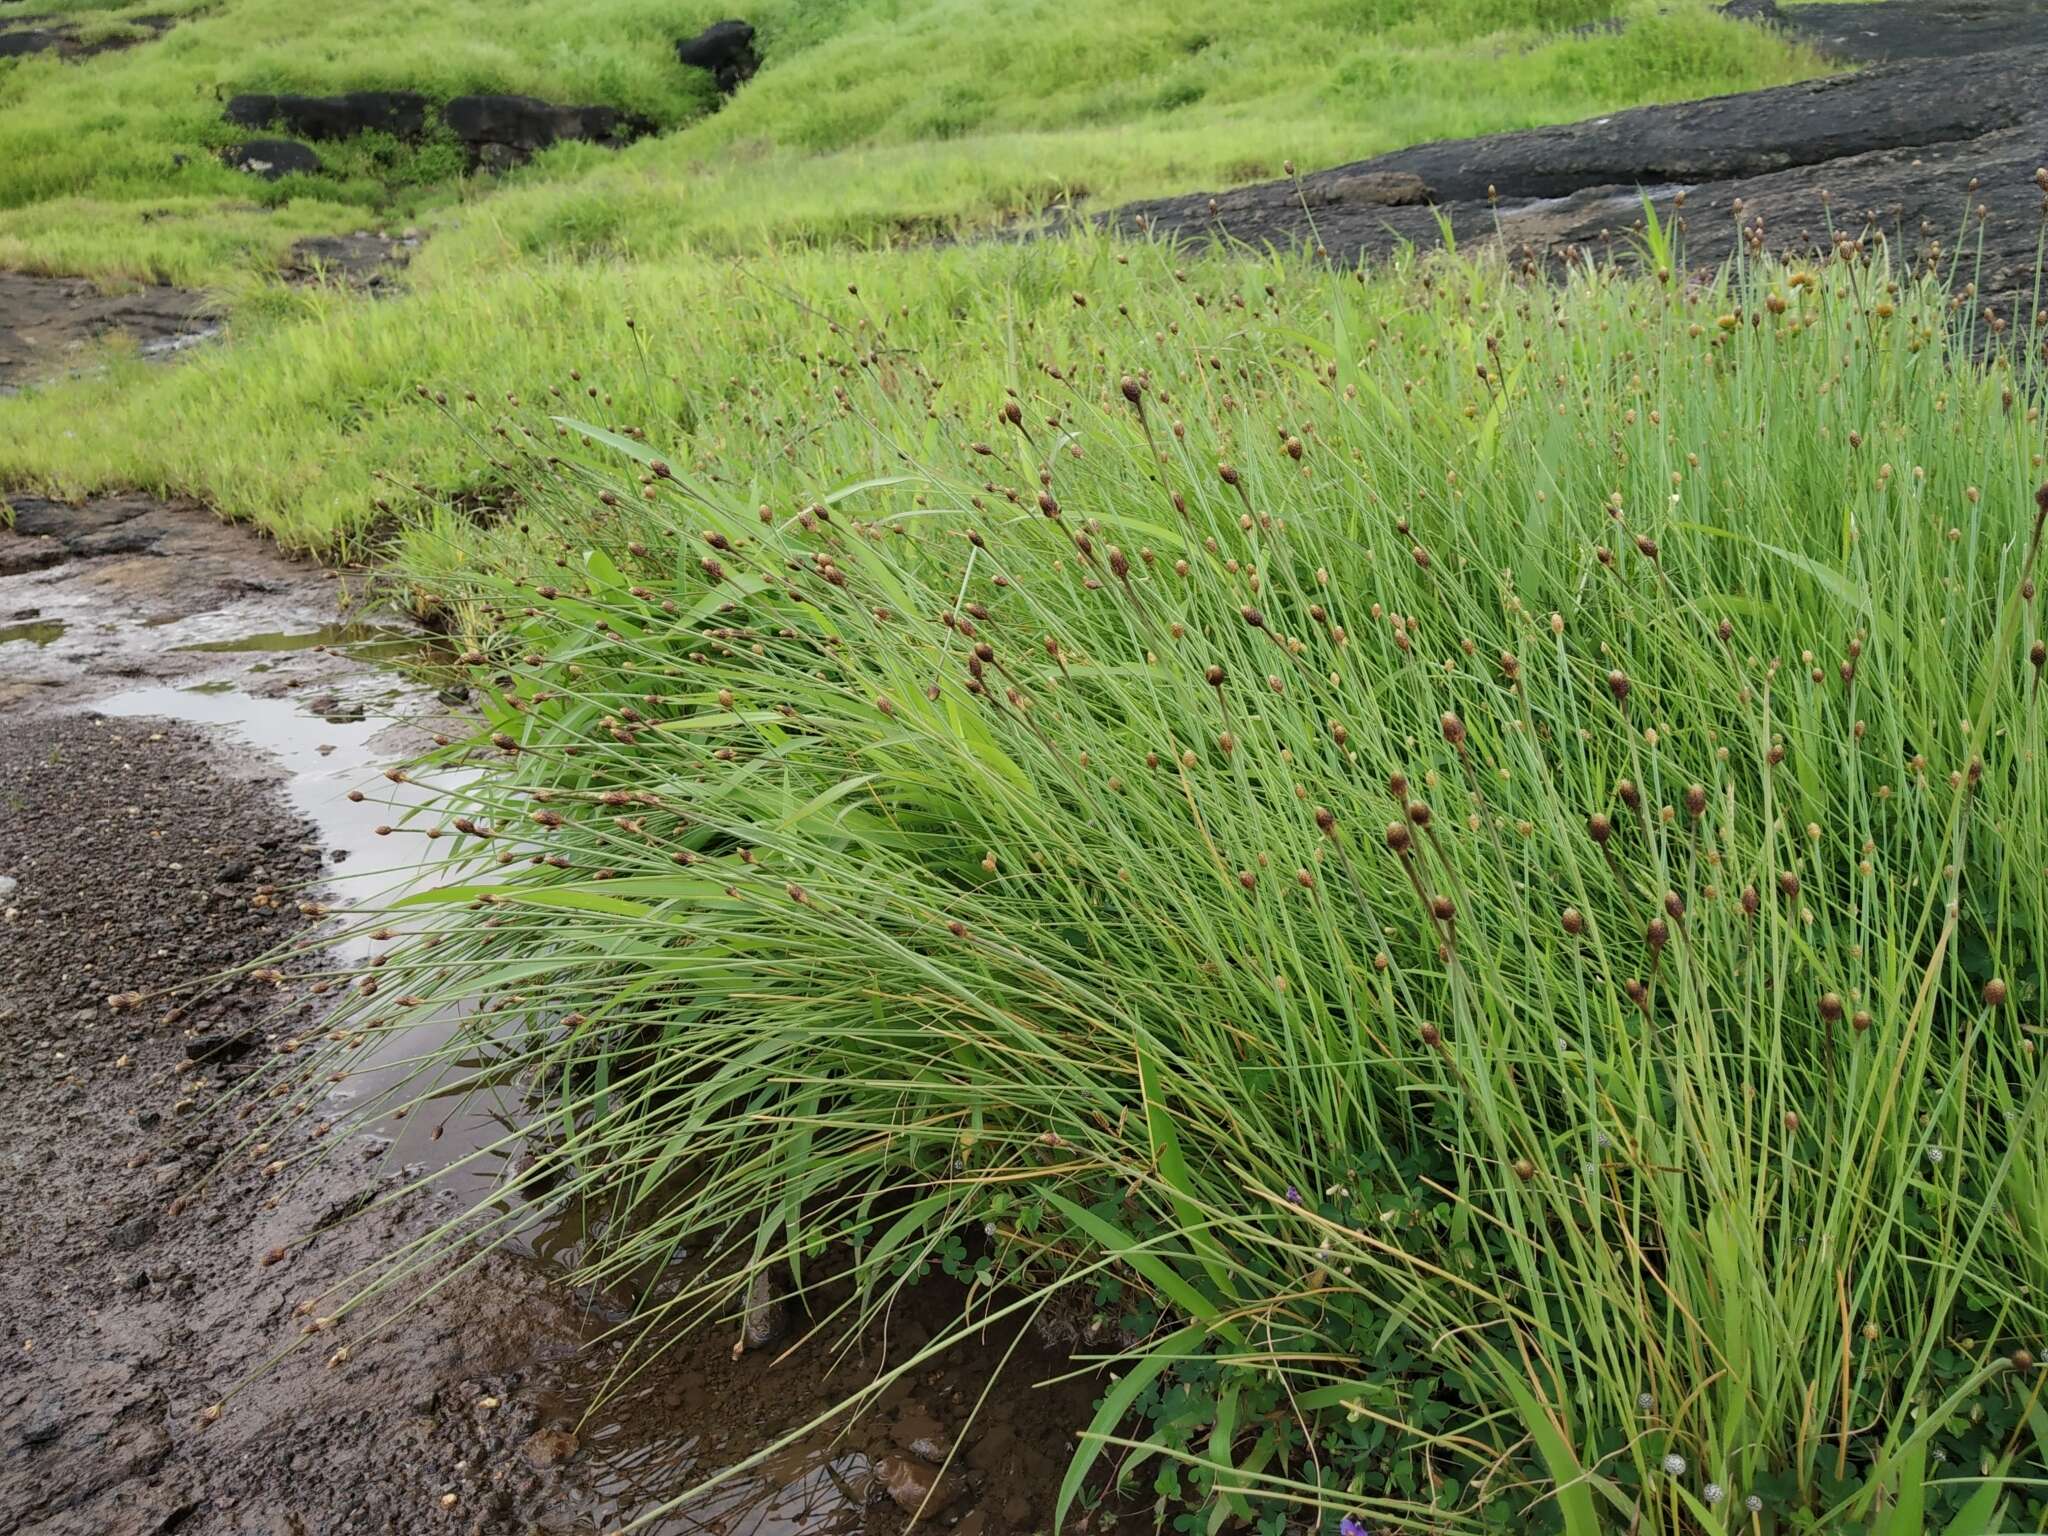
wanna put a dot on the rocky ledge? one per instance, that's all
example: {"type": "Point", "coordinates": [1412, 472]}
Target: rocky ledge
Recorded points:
{"type": "Point", "coordinates": [1916, 155]}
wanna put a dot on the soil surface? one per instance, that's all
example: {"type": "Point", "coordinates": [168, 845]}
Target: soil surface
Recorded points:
{"type": "Point", "coordinates": [177, 721]}
{"type": "Point", "coordinates": [1905, 151]}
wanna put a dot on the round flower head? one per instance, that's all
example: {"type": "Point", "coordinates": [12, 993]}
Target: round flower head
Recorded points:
{"type": "Point", "coordinates": [1713, 1493]}
{"type": "Point", "coordinates": [1645, 1401]}
{"type": "Point", "coordinates": [1934, 1155]}
{"type": "Point", "coordinates": [1754, 1504]}
{"type": "Point", "coordinates": [1674, 1465]}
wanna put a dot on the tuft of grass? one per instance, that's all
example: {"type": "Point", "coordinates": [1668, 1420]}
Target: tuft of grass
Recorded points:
{"type": "Point", "coordinates": [1461, 862]}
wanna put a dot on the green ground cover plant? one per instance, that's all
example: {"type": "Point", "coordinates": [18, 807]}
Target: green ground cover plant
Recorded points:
{"type": "Point", "coordinates": [1450, 870]}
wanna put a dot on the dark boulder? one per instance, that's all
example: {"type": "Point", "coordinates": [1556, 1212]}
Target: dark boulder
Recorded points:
{"type": "Point", "coordinates": [272, 159]}
{"type": "Point", "coordinates": [726, 48]}
{"type": "Point", "coordinates": [403, 114]}
{"type": "Point", "coordinates": [502, 131]}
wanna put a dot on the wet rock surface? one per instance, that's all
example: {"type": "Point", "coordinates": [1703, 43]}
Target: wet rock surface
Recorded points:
{"type": "Point", "coordinates": [119, 593]}
{"type": "Point", "coordinates": [1892, 151]}
{"type": "Point", "coordinates": [1884, 31]}
{"type": "Point", "coordinates": [23, 33]}
{"type": "Point", "coordinates": [47, 324]}
{"type": "Point", "coordinates": [372, 262]}
{"type": "Point", "coordinates": [151, 1265]}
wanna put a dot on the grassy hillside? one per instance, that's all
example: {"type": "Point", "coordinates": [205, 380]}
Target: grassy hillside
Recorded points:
{"type": "Point", "coordinates": [872, 120]}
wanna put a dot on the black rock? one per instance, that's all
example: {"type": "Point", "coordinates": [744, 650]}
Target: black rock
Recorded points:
{"type": "Point", "coordinates": [43, 1422]}
{"type": "Point", "coordinates": [272, 159]}
{"type": "Point", "coordinates": [402, 114]}
{"type": "Point", "coordinates": [127, 1236]}
{"type": "Point", "coordinates": [505, 130]}
{"type": "Point", "coordinates": [726, 48]}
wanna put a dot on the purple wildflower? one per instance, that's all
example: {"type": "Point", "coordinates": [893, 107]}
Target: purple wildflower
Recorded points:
{"type": "Point", "coordinates": [1351, 1525]}
{"type": "Point", "coordinates": [1294, 1198]}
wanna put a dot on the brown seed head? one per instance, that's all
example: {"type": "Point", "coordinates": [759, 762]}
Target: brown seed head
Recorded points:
{"type": "Point", "coordinates": [1397, 837]}
{"type": "Point", "coordinates": [1630, 795]}
{"type": "Point", "coordinates": [1214, 676]}
{"type": "Point", "coordinates": [1397, 785]}
{"type": "Point", "coordinates": [1326, 821]}
{"type": "Point", "coordinates": [1994, 993]}
{"type": "Point", "coordinates": [1696, 800]}
{"type": "Point", "coordinates": [1618, 685]}
{"type": "Point", "coordinates": [1253, 617]}
{"type": "Point", "coordinates": [1443, 909]}
{"type": "Point", "coordinates": [1524, 1169]}
{"type": "Point", "coordinates": [1574, 921]}
{"type": "Point", "coordinates": [1658, 934]}
{"type": "Point", "coordinates": [1227, 474]}
{"type": "Point", "coordinates": [1430, 1034]}
{"type": "Point", "coordinates": [1750, 900]}
{"type": "Point", "coordinates": [1599, 828]}
{"type": "Point", "coordinates": [1789, 884]}
{"type": "Point", "coordinates": [1418, 812]}
{"type": "Point", "coordinates": [1131, 391]}
{"type": "Point", "coordinates": [1831, 1007]}
{"type": "Point", "coordinates": [1453, 728]}
{"type": "Point", "coordinates": [1859, 1021]}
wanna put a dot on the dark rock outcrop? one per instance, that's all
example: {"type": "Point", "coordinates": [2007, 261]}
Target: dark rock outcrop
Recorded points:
{"type": "Point", "coordinates": [272, 159]}
{"type": "Point", "coordinates": [403, 114]}
{"type": "Point", "coordinates": [726, 48]}
{"type": "Point", "coordinates": [501, 131]}
{"type": "Point", "coordinates": [1886, 31]}
{"type": "Point", "coordinates": [1902, 152]}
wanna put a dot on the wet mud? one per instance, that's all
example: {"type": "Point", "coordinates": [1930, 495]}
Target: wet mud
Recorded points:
{"type": "Point", "coordinates": [182, 711]}
{"type": "Point", "coordinates": [1907, 151]}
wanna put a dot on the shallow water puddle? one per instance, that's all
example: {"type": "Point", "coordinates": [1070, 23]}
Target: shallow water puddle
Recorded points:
{"type": "Point", "coordinates": [363, 642]}
{"type": "Point", "coordinates": [37, 635]}
{"type": "Point", "coordinates": [318, 745]}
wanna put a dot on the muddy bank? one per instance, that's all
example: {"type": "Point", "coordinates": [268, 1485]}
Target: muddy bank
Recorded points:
{"type": "Point", "coordinates": [1906, 151]}
{"type": "Point", "coordinates": [178, 730]}
{"type": "Point", "coordinates": [47, 324]}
